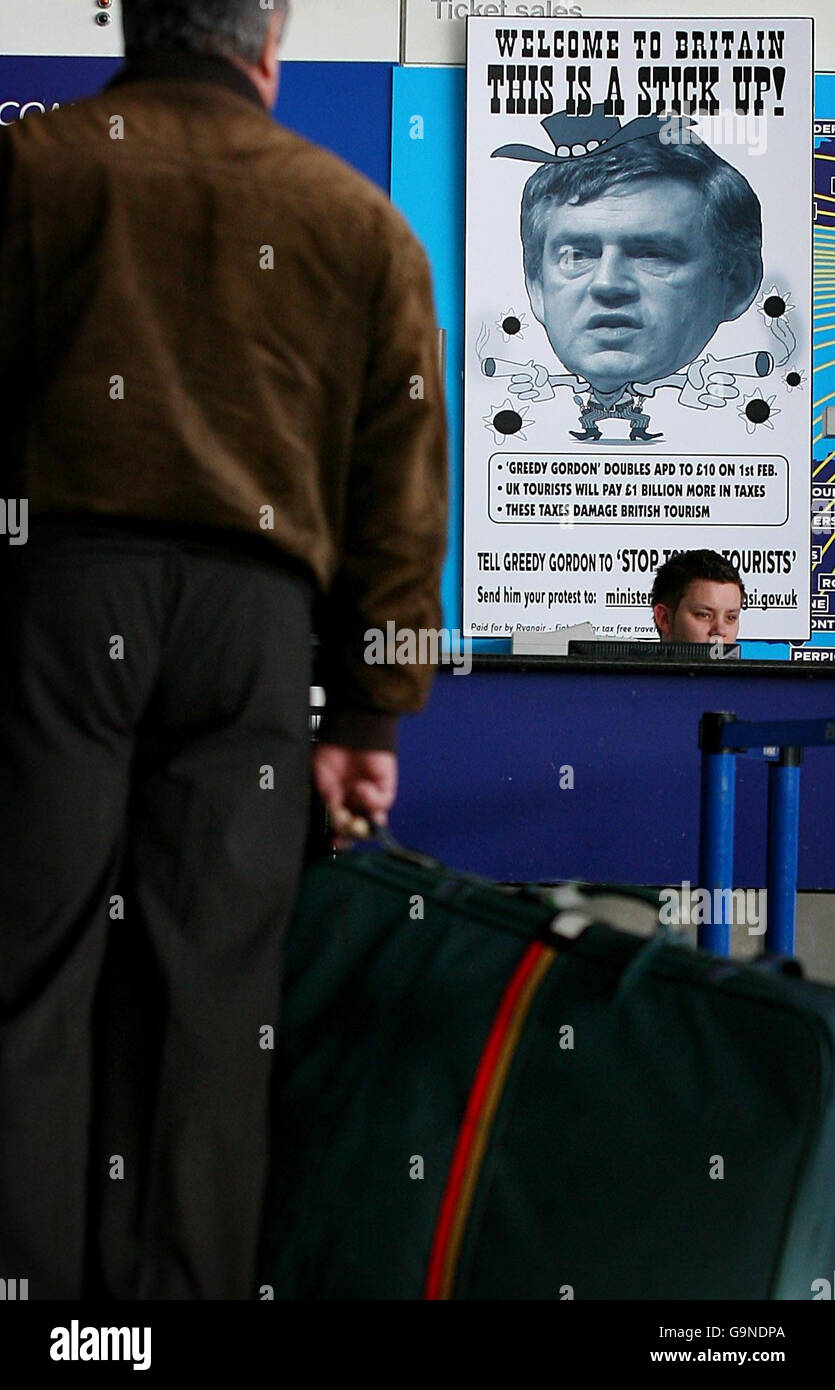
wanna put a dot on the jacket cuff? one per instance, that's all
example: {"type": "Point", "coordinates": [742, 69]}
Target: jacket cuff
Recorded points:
{"type": "Point", "coordinates": [365, 730]}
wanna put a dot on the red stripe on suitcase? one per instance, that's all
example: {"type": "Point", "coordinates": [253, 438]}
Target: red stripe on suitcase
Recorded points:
{"type": "Point", "coordinates": [481, 1107]}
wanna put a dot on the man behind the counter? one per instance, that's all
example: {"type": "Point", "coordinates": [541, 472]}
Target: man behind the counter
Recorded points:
{"type": "Point", "coordinates": [697, 596]}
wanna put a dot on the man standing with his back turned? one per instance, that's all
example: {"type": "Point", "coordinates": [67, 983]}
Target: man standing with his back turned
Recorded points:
{"type": "Point", "coordinates": [222, 403]}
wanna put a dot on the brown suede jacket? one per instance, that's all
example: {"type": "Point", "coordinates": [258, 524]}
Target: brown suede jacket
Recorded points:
{"type": "Point", "coordinates": [209, 322]}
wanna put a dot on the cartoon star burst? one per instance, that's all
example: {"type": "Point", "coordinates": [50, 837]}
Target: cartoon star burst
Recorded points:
{"type": "Point", "coordinates": [774, 304]}
{"type": "Point", "coordinates": [757, 411]}
{"type": "Point", "coordinates": [794, 378]}
{"type": "Point", "coordinates": [512, 325]}
{"type": "Point", "coordinates": [508, 419]}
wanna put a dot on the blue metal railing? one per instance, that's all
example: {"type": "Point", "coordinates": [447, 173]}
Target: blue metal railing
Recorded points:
{"type": "Point", "coordinates": [723, 737]}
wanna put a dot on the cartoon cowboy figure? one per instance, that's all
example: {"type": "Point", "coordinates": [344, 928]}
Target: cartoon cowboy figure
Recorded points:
{"type": "Point", "coordinates": [638, 241]}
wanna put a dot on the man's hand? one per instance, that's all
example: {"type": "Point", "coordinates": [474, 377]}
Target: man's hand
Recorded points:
{"type": "Point", "coordinates": [355, 785]}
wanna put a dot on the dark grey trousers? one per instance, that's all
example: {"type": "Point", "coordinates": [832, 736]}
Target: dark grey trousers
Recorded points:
{"type": "Point", "coordinates": [154, 787]}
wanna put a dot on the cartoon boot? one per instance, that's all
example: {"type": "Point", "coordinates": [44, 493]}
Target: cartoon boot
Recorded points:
{"type": "Point", "coordinates": [638, 429]}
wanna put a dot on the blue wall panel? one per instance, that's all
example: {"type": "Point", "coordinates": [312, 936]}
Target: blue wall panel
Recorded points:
{"type": "Point", "coordinates": [427, 184]}
{"type": "Point", "coordinates": [480, 774]}
{"type": "Point", "coordinates": [344, 106]}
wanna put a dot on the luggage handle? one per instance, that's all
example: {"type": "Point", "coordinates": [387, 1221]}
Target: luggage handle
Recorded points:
{"type": "Point", "coordinates": [565, 896]}
{"type": "Point", "coordinates": [572, 909]}
{"type": "Point", "coordinates": [382, 838]}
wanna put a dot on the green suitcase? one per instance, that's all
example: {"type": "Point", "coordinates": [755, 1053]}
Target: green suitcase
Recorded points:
{"type": "Point", "coordinates": [482, 1094]}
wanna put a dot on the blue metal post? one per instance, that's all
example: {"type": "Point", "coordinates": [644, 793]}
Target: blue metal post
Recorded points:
{"type": "Point", "coordinates": [781, 869]}
{"type": "Point", "coordinates": [716, 844]}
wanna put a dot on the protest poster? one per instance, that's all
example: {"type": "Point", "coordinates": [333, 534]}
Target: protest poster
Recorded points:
{"type": "Point", "coordinates": [638, 318]}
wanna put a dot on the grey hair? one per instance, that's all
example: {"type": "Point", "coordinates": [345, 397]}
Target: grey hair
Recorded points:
{"type": "Point", "coordinates": [232, 28]}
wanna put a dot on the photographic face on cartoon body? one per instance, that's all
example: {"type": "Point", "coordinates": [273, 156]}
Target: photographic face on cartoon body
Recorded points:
{"type": "Point", "coordinates": [629, 289]}
{"type": "Point", "coordinates": [707, 610]}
